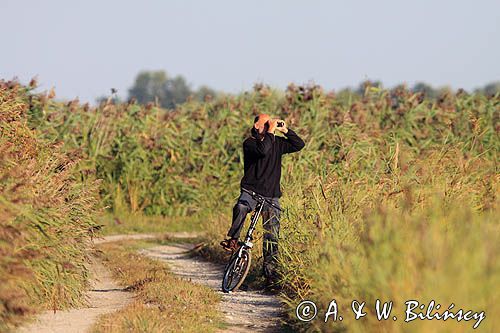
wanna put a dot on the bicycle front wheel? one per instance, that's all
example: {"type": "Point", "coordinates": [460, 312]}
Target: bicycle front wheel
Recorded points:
{"type": "Point", "coordinates": [236, 271]}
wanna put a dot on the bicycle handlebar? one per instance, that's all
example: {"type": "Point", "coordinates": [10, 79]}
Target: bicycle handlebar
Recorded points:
{"type": "Point", "coordinates": [260, 198]}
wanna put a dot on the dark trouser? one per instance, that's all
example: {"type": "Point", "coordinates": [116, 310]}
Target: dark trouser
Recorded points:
{"type": "Point", "coordinates": [271, 223]}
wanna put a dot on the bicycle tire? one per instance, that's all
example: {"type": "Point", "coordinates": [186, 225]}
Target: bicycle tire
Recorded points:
{"type": "Point", "coordinates": [239, 266]}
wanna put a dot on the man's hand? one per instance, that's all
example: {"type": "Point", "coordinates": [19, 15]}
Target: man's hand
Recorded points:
{"type": "Point", "coordinates": [273, 124]}
{"type": "Point", "coordinates": [283, 129]}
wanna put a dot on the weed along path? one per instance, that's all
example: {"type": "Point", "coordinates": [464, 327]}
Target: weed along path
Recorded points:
{"type": "Point", "coordinates": [244, 311]}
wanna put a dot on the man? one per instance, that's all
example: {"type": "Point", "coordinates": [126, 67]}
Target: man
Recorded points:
{"type": "Point", "coordinates": [262, 153]}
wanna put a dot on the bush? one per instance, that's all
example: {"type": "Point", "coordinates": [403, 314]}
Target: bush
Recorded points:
{"type": "Point", "coordinates": [46, 216]}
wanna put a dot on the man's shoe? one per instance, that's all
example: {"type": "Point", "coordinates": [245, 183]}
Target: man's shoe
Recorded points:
{"type": "Point", "coordinates": [230, 244]}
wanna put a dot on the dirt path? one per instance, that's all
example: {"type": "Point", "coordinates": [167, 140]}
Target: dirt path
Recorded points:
{"type": "Point", "coordinates": [105, 296]}
{"type": "Point", "coordinates": [245, 311]}
{"type": "Point", "coordinates": [250, 311]}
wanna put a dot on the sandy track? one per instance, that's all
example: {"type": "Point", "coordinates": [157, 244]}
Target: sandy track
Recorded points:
{"type": "Point", "coordinates": [105, 296]}
{"type": "Point", "coordinates": [244, 311]}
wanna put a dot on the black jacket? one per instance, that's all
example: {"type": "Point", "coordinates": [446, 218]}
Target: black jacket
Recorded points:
{"type": "Point", "coordinates": [262, 161]}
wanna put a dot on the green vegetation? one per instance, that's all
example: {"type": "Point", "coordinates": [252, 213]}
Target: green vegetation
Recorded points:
{"type": "Point", "coordinates": [46, 216]}
{"type": "Point", "coordinates": [395, 195]}
{"type": "Point", "coordinates": [136, 223]}
{"type": "Point", "coordinates": [164, 303]}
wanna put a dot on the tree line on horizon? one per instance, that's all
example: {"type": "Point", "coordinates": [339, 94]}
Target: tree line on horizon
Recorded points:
{"type": "Point", "coordinates": [168, 91]}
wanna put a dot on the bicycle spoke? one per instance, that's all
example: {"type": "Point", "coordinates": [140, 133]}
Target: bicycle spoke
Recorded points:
{"type": "Point", "coordinates": [235, 272]}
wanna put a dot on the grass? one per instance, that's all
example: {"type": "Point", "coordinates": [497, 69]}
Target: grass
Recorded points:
{"type": "Point", "coordinates": [139, 223]}
{"type": "Point", "coordinates": [164, 303]}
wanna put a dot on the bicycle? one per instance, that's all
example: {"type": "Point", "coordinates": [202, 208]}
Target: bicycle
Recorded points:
{"type": "Point", "coordinates": [238, 265]}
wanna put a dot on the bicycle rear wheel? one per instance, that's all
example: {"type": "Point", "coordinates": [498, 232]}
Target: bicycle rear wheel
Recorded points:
{"type": "Point", "coordinates": [236, 271]}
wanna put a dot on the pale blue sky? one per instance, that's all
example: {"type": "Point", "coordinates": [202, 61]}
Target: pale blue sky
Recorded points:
{"type": "Point", "coordinates": [83, 48]}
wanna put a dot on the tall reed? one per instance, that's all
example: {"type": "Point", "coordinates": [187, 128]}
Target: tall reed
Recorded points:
{"type": "Point", "coordinates": [389, 192]}
{"type": "Point", "coordinates": [46, 215]}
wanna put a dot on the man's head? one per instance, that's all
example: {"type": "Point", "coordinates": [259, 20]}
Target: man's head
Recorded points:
{"type": "Point", "coordinates": [261, 123]}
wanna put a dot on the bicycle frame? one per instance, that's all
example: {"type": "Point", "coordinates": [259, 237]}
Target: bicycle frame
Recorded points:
{"type": "Point", "coordinates": [245, 246]}
{"type": "Point", "coordinates": [253, 224]}
{"type": "Point", "coordinates": [261, 201]}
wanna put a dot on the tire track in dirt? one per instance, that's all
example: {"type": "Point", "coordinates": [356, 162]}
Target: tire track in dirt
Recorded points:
{"type": "Point", "coordinates": [244, 311]}
{"type": "Point", "coordinates": [106, 296]}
